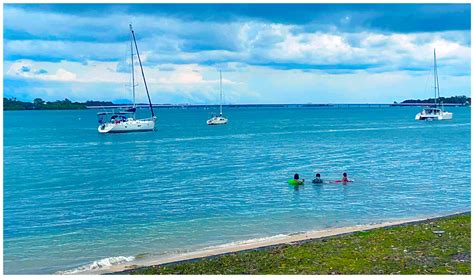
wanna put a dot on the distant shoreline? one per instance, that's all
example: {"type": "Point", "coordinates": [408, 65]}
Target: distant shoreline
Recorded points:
{"type": "Point", "coordinates": [215, 106]}
{"type": "Point", "coordinates": [39, 104]}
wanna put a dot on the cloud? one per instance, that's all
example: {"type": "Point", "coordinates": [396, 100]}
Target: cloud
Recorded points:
{"type": "Point", "coordinates": [194, 82]}
{"type": "Point", "coordinates": [63, 75]}
{"type": "Point", "coordinates": [251, 84]}
{"type": "Point", "coordinates": [27, 69]}
{"type": "Point", "coordinates": [345, 17]}
{"type": "Point", "coordinates": [41, 71]}
{"type": "Point", "coordinates": [43, 50]}
{"type": "Point", "coordinates": [168, 40]}
{"type": "Point", "coordinates": [84, 49]}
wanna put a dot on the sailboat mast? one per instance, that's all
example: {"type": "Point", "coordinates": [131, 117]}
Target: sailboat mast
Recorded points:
{"type": "Point", "coordinates": [435, 73]}
{"type": "Point", "coordinates": [133, 70]}
{"type": "Point", "coordinates": [437, 80]}
{"type": "Point", "coordinates": [220, 75]}
{"type": "Point", "coordinates": [143, 74]}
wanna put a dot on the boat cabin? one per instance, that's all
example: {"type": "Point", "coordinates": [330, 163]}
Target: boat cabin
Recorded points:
{"type": "Point", "coordinates": [113, 117]}
{"type": "Point", "coordinates": [431, 111]}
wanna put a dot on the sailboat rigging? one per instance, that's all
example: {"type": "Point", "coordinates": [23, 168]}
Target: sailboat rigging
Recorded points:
{"type": "Point", "coordinates": [125, 121]}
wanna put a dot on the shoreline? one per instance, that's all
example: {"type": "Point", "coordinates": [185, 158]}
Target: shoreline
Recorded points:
{"type": "Point", "coordinates": [261, 243]}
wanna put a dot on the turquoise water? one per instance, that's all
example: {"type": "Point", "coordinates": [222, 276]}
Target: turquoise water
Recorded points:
{"type": "Point", "coordinates": [73, 196]}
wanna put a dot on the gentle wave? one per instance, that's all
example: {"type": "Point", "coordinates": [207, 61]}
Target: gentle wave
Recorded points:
{"type": "Point", "coordinates": [249, 241]}
{"type": "Point", "coordinates": [99, 264]}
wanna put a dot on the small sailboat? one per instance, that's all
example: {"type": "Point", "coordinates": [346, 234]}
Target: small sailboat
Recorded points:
{"type": "Point", "coordinates": [437, 112]}
{"type": "Point", "coordinates": [220, 119]}
{"type": "Point", "coordinates": [125, 121]}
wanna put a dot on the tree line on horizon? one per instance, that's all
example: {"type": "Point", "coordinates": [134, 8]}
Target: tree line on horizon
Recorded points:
{"type": "Point", "coordinates": [454, 99]}
{"type": "Point", "coordinates": [66, 104]}
{"type": "Point", "coordinates": [40, 104]}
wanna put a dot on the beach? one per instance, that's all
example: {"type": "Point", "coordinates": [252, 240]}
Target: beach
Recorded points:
{"type": "Point", "coordinates": [183, 264]}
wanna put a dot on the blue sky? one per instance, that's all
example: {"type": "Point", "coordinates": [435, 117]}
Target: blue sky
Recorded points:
{"type": "Point", "coordinates": [269, 53]}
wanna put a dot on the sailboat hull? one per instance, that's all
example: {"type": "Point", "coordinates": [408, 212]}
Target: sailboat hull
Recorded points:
{"type": "Point", "coordinates": [131, 125]}
{"type": "Point", "coordinates": [217, 121]}
{"type": "Point", "coordinates": [434, 117]}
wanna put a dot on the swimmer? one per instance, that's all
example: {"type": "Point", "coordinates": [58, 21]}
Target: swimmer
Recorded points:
{"type": "Point", "coordinates": [318, 179]}
{"type": "Point", "coordinates": [296, 177]}
{"type": "Point", "coordinates": [344, 178]}
{"type": "Point", "coordinates": [296, 180]}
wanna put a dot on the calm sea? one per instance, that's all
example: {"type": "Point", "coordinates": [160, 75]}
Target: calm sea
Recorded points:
{"type": "Point", "coordinates": [73, 196]}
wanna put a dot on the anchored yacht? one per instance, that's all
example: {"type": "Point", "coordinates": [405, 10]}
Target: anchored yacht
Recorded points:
{"type": "Point", "coordinates": [437, 112]}
{"type": "Point", "coordinates": [219, 119]}
{"type": "Point", "coordinates": [125, 121]}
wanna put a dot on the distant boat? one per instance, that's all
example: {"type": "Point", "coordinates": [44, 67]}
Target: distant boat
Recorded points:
{"type": "Point", "coordinates": [124, 121]}
{"type": "Point", "coordinates": [220, 119]}
{"type": "Point", "coordinates": [437, 113]}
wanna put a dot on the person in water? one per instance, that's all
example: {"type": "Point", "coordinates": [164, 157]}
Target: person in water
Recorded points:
{"type": "Point", "coordinates": [296, 177]}
{"type": "Point", "coordinates": [318, 179]}
{"type": "Point", "coordinates": [344, 178]}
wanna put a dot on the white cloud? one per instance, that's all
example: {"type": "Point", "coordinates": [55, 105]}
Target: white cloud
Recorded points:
{"type": "Point", "coordinates": [243, 84]}
{"type": "Point", "coordinates": [189, 82]}
{"type": "Point", "coordinates": [296, 86]}
{"type": "Point", "coordinates": [18, 69]}
{"type": "Point", "coordinates": [181, 58]}
{"type": "Point", "coordinates": [64, 75]}
{"type": "Point", "coordinates": [164, 39]}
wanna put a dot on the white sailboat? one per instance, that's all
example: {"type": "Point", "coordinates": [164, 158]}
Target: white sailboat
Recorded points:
{"type": "Point", "coordinates": [220, 119]}
{"type": "Point", "coordinates": [436, 113]}
{"type": "Point", "coordinates": [124, 121]}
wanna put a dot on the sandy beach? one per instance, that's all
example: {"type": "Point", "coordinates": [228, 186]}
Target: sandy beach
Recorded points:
{"type": "Point", "coordinates": [258, 243]}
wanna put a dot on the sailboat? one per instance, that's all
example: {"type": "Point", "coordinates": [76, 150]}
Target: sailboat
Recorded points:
{"type": "Point", "coordinates": [437, 112]}
{"type": "Point", "coordinates": [220, 119]}
{"type": "Point", "coordinates": [125, 121]}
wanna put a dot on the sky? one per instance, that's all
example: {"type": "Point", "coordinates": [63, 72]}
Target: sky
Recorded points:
{"type": "Point", "coordinates": [268, 53]}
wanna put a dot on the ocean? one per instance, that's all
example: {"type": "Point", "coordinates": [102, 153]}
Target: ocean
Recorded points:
{"type": "Point", "coordinates": [75, 199]}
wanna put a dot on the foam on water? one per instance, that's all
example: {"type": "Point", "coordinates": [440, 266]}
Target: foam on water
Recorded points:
{"type": "Point", "coordinates": [249, 241]}
{"type": "Point", "coordinates": [97, 265]}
